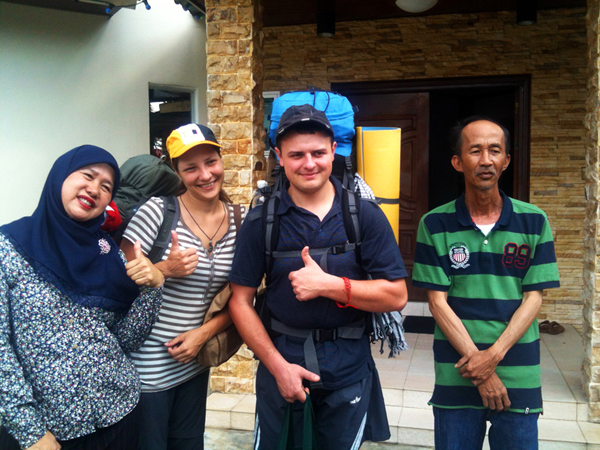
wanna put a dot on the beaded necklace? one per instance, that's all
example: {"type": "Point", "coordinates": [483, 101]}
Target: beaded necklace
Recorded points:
{"type": "Point", "coordinates": [210, 244]}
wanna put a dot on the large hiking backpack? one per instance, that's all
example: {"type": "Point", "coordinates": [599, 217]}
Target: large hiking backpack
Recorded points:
{"type": "Point", "coordinates": [336, 107]}
{"type": "Point", "coordinates": [142, 177]}
{"type": "Point", "coordinates": [340, 114]}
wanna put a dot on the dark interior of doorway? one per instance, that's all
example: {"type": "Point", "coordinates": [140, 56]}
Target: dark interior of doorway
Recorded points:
{"type": "Point", "coordinates": [447, 108]}
{"type": "Point", "coordinates": [505, 99]}
{"type": "Point", "coordinates": [174, 111]}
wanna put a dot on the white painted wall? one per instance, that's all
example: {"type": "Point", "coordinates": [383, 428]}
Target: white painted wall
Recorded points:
{"type": "Point", "coordinates": [68, 79]}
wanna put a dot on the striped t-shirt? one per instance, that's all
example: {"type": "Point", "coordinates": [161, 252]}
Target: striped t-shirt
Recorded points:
{"type": "Point", "coordinates": [485, 277]}
{"type": "Point", "coordinates": [185, 300]}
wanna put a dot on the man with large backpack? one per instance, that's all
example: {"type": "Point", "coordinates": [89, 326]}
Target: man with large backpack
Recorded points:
{"type": "Point", "coordinates": [314, 335]}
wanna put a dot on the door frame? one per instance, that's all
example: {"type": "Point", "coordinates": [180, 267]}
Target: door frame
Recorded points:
{"type": "Point", "coordinates": [520, 155]}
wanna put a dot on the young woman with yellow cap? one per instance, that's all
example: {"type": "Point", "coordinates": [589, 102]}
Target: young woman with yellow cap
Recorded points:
{"type": "Point", "coordinates": [195, 265]}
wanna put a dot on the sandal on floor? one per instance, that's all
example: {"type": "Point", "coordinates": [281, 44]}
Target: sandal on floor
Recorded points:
{"type": "Point", "coordinates": [555, 328]}
{"type": "Point", "coordinates": [544, 326]}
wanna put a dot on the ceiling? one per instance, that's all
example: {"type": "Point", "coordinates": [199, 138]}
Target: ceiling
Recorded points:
{"type": "Point", "coordinates": [298, 12]}
{"type": "Point", "coordinates": [68, 5]}
{"type": "Point", "coordinates": [99, 7]}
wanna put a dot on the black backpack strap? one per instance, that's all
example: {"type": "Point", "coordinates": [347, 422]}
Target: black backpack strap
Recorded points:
{"type": "Point", "coordinates": [118, 234]}
{"type": "Point", "coordinates": [270, 219]}
{"type": "Point", "coordinates": [170, 219]}
{"type": "Point", "coordinates": [280, 179]}
{"type": "Point", "coordinates": [271, 229]}
{"type": "Point", "coordinates": [237, 217]}
{"type": "Point", "coordinates": [350, 208]}
{"type": "Point", "coordinates": [348, 175]}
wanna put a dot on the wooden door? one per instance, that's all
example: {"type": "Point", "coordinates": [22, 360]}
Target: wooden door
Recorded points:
{"type": "Point", "coordinates": [410, 113]}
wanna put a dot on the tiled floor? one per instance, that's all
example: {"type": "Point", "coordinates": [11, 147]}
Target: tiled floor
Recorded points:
{"type": "Point", "coordinates": [407, 382]}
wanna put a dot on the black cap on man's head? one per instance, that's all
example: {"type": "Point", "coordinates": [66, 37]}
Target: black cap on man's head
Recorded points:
{"type": "Point", "coordinates": [296, 115]}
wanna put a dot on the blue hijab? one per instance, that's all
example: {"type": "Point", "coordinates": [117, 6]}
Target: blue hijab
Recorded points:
{"type": "Point", "coordinates": [78, 258]}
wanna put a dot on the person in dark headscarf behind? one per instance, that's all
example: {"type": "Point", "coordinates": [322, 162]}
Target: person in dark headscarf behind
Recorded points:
{"type": "Point", "coordinates": [70, 313]}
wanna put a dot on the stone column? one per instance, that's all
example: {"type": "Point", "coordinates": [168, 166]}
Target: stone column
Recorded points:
{"type": "Point", "coordinates": [235, 114]}
{"type": "Point", "coordinates": [591, 270]}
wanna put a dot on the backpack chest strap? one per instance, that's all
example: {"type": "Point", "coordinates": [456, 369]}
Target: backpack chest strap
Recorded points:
{"type": "Point", "coordinates": [333, 250]}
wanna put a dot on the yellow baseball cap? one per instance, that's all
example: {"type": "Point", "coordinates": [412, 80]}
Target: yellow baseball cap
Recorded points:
{"type": "Point", "coordinates": [189, 136]}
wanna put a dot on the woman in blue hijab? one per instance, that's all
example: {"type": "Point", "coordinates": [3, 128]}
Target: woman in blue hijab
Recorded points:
{"type": "Point", "coordinates": [70, 312]}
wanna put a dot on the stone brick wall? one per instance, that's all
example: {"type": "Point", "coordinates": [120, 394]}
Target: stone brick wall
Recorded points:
{"type": "Point", "coordinates": [553, 51]}
{"type": "Point", "coordinates": [591, 287]}
{"type": "Point", "coordinates": [235, 114]}
{"type": "Point", "coordinates": [234, 97]}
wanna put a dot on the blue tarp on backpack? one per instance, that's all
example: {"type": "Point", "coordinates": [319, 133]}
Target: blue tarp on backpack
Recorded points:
{"type": "Point", "coordinates": [336, 107]}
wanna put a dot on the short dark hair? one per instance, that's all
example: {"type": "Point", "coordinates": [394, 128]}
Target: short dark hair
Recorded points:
{"type": "Point", "coordinates": [456, 133]}
{"type": "Point", "coordinates": [308, 127]}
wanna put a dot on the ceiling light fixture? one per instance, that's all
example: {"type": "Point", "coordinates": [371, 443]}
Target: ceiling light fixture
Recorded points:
{"type": "Point", "coordinates": [326, 24]}
{"type": "Point", "coordinates": [325, 18]}
{"type": "Point", "coordinates": [526, 12]}
{"type": "Point", "coordinates": [415, 6]}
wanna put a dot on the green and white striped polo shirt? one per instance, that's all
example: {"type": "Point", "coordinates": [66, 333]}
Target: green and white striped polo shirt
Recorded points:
{"type": "Point", "coordinates": [485, 277]}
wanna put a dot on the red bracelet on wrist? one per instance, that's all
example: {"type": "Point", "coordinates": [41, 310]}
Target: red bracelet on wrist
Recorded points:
{"type": "Point", "coordinates": [348, 291]}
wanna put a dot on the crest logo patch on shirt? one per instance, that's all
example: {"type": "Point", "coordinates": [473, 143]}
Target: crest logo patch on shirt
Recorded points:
{"type": "Point", "coordinates": [459, 256]}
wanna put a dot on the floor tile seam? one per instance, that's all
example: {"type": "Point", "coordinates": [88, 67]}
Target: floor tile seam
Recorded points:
{"type": "Point", "coordinates": [553, 359]}
{"type": "Point", "coordinates": [587, 441]}
{"type": "Point", "coordinates": [560, 355]}
{"type": "Point", "coordinates": [542, 437]}
{"type": "Point", "coordinates": [239, 411]}
{"type": "Point", "coordinates": [547, 419]}
{"type": "Point", "coordinates": [241, 398]}
{"type": "Point", "coordinates": [566, 403]}
{"type": "Point", "coordinates": [559, 389]}
{"type": "Point", "coordinates": [575, 390]}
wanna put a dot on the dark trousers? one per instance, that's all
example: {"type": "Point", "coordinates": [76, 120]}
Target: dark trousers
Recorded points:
{"type": "Point", "coordinates": [345, 417]}
{"type": "Point", "coordinates": [174, 419]}
{"type": "Point", "coordinates": [122, 435]}
{"type": "Point", "coordinates": [464, 429]}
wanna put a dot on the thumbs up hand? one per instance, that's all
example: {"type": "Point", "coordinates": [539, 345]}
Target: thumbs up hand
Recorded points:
{"type": "Point", "coordinates": [307, 281]}
{"type": "Point", "coordinates": [179, 263]}
{"type": "Point", "coordinates": [141, 270]}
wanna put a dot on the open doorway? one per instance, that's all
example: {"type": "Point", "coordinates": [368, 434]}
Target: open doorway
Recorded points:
{"type": "Point", "coordinates": [446, 108]}
{"type": "Point", "coordinates": [169, 109]}
{"type": "Point", "coordinates": [426, 110]}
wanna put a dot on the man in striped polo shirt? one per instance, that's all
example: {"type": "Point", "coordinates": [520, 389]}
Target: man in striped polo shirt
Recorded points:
{"type": "Point", "coordinates": [485, 259]}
